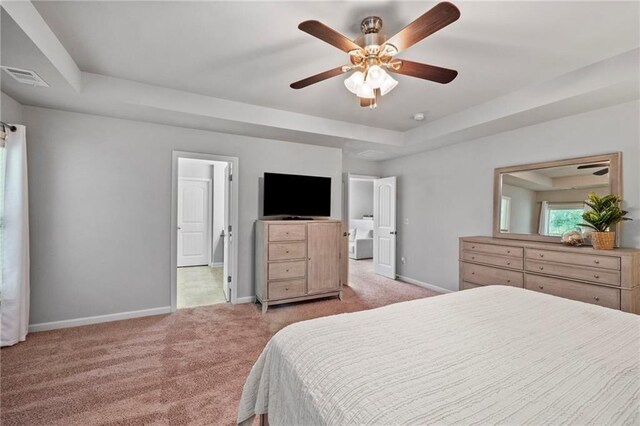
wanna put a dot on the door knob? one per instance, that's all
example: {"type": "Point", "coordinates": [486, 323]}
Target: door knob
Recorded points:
{"type": "Point", "coordinates": [179, 228]}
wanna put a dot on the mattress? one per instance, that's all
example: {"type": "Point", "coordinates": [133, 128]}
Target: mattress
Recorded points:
{"type": "Point", "coordinates": [491, 355]}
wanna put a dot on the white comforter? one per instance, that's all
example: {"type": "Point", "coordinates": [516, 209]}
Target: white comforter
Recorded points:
{"type": "Point", "coordinates": [492, 355]}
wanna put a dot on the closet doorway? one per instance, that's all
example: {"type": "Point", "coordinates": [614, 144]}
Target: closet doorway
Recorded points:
{"type": "Point", "coordinates": [204, 213]}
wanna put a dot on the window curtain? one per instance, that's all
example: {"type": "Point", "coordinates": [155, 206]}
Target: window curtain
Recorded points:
{"type": "Point", "coordinates": [544, 218]}
{"type": "Point", "coordinates": [14, 287]}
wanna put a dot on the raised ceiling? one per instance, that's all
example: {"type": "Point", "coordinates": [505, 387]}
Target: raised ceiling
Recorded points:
{"type": "Point", "coordinates": [249, 52]}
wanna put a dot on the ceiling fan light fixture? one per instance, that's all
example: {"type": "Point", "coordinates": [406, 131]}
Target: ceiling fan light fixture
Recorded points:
{"type": "Point", "coordinates": [375, 76]}
{"type": "Point", "coordinates": [388, 85]}
{"type": "Point", "coordinates": [365, 91]}
{"type": "Point", "coordinates": [354, 82]}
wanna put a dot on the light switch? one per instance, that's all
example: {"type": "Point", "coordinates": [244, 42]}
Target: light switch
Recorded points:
{"type": "Point", "coordinates": [406, 220]}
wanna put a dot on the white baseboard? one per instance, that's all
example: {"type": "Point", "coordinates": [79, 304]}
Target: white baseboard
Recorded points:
{"type": "Point", "coordinates": [98, 319]}
{"type": "Point", "coordinates": [216, 264]}
{"type": "Point", "coordinates": [425, 285]}
{"type": "Point", "coordinates": [250, 299]}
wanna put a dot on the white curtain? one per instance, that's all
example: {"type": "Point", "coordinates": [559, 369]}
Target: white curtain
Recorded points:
{"type": "Point", "coordinates": [544, 218]}
{"type": "Point", "coordinates": [14, 305]}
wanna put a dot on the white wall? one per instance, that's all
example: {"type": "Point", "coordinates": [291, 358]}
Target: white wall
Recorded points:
{"type": "Point", "coordinates": [10, 110]}
{"type": "Point", "coordinates": [361, 167]}
{"type": "Point", "coordinates": [360, 198]}
{"type": "Point", "coordinates": [448, 193]}
{"type": "Point", "coordinates": [100, 199]}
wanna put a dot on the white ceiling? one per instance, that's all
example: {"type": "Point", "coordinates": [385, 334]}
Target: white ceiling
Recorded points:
{"type": "Point", "coordinates": [250, 52]}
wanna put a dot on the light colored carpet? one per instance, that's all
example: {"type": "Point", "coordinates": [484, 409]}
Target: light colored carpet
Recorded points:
{"type": "Point", "coordinates": [177, 369]}
{"type": "Point", "coordinates": [199, 286]}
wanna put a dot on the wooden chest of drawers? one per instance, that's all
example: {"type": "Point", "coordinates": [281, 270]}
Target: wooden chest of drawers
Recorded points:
{"type": "Point", "coordinates": [298, 260]}
{"type": "Point", "coordinates": [605, 278]}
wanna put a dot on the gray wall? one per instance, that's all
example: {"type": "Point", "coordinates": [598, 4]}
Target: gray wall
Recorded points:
{"type": "Point", "coordinates": [100, 198]}
{"type": "Point", "coordinates": [10, 110]}
{"type": "Point", "coordinates": [448, 193]}
{"type": "Point", "coordinates": [523, 216]}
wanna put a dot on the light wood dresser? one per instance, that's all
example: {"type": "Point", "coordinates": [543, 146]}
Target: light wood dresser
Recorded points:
{"type": "Point", "coordinates": [297, 260]}
{"type": "Point", "coordinates": [609, 278]}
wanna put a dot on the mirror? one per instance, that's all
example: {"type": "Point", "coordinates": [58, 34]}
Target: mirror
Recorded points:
{"type": "Point", "coordinates": [543, 200]}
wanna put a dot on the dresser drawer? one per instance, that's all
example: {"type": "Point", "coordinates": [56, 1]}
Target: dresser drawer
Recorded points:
{"type": "Point", "coordinates": [589, 293]}
{"type": "Point", "coordinates": [286, 251]}
{"type": "Point", "coordinates": [606, 262]}
{"type": "Point", "coordinates": [285, 289]}
{"type": "Point", "coordinates": [602, 276]}
{"type": "Point", "coordinates": [293, 232]}
{"type": "Point", "coordinates": [493, 249]}
{"type": "Point", "coordinates": [486, 275]}
{"type": "Point", "coordinates": [284, 270]}
{"type": "Point", "coordinates": [468, 286]}
{"type": "Point", "coordinates": [506, 261]}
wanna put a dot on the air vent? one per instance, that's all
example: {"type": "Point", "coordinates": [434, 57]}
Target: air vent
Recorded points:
{"type": "Point", "coordinates": [370, 154]}
{"type": "Point", "coordinates": [25, 76]}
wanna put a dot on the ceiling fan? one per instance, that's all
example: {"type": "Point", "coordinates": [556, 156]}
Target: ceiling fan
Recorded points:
{"type": "Point", "coordinates": [372, 53]}
{"type": "Point", "coordinates": [600, 172]}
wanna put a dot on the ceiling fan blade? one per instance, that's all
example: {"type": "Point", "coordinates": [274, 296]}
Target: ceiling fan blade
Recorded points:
{"type": "Point", "coordinates": [329, 35]}
{"type": "Point", "coordinates": [591, 166]}
{"type": "Point", "coordinates": [317, 78]}
{"type": "Point", "coordinates": [435, 19]}
{"type": "Point", "coordinates": [601, 172]}
{"type": "Point", "coordinates": [424, 71]}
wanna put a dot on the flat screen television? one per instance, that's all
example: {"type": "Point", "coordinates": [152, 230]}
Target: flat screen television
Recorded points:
{"type": "Point", "coordinates": [296, 195]}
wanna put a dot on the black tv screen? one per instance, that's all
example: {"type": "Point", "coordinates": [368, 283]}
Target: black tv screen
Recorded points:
{"type": "Point", "coordinates": [296, 195]}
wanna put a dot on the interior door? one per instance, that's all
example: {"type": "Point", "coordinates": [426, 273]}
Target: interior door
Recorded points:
{"type": "Point", "coordinates": [384, 226]}
{"type": "Point", "coordinates": [323, 270]}
{"type": "Point", "coordinates": [228, 235]}
{"type": "Point", "coordinates": [194, 222]}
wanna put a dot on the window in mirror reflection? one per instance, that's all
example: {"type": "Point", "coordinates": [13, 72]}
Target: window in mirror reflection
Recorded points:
{"type": "Point", "coordinates": [505, 213]}
{"type": "Point", "coordinates": [562, 217]}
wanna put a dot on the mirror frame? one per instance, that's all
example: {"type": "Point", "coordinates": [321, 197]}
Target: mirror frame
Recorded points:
{"type": "Point", "coordinates": [615, 187]}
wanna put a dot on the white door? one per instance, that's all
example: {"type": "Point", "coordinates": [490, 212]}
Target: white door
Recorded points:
{"type": "Point", "coordinates": [228, 235]}
{"type": "Point", "coordinates": [384, 226]}
{"type": "Point", "coordinates": [194, 222]}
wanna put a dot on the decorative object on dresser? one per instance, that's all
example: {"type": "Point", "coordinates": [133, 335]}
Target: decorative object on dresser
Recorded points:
{"type": "Point", "coordinates": [602, 277]}
{"type": "Point", "coordinates": [541, 201]}
{"type": "Point", "coordinates": [603, 214]}
{"type": "Point", "coordinates": [298, 260]}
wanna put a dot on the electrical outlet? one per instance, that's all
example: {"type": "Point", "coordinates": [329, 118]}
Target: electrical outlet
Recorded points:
{"type": "Point", "coordinates": [403, 260]}
{"type": "Point", "coordinates": [406, 220]}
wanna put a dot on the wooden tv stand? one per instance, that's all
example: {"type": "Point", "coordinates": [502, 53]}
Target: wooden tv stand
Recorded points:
{"type": "Point", "coordinates": [297, 260]}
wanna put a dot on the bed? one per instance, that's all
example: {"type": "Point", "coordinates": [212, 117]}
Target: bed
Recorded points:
{"type": "Point", "coordinates": [491, 355]}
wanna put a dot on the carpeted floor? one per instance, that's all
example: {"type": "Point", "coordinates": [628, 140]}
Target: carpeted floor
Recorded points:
{"type": "Point", "coordinates": [184, 368]}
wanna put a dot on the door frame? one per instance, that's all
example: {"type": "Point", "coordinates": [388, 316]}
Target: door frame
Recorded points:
{"type": "Point", "coordinates": [209, 232]}
{"type": "Point", "coordinates": [233, 219]}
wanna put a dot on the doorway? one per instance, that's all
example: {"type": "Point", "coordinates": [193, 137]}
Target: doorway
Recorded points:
{"type": "Point", "coordinates": [204, 214]}
{"type": "Point", "coordinates": [370, 213]}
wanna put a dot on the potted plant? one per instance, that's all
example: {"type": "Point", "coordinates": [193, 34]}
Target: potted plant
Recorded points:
{"type": "Point", "coordinates": [604, 213]}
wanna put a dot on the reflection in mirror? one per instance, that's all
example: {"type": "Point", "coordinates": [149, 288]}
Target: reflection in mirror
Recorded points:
{"type": "Point", "coordinates": [549, 201]}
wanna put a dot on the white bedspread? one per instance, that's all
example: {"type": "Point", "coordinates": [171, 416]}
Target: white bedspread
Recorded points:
{"type": "Point", "coordinates": [491, 355]}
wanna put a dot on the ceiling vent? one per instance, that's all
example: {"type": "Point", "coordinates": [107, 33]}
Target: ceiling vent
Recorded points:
{"type": "Point", "coordinates": [25, 76]}
{"type": "Point", "coordinates": [370, 154]}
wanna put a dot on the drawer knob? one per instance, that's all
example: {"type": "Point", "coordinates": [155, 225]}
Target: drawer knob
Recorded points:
{"type": "Point", "coordinates": [596, 276]}
{"type": "Point", "coordinates": [541, 287]}
{"type": "Point", "coordinates": [473, 273]}
{"type": "Point", "coordinates": [508, 281]}
{"type": "Point", "coordinates": [508, 263]}
{"type": "Point", "coordinates": [596, 298]}
{"type": "Point", "coordinates": [287, 251]}
{"type": "Point", "coordinates": [541, 255]}
{"type": "Point", "coordinates": [597, 262]}
{"type": "Point", "coordinates": [473, 247]}
{"type": "Point", "coordinates": [473, 257]}
{"type": "Point", "coordinates": [541, 268]}
{"type": "Point", "coordinates": [287, 270]}
{"type": "Point", "coordinates": [508, 251]}
{"type": "Point", "coordinates": [286, 289]}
